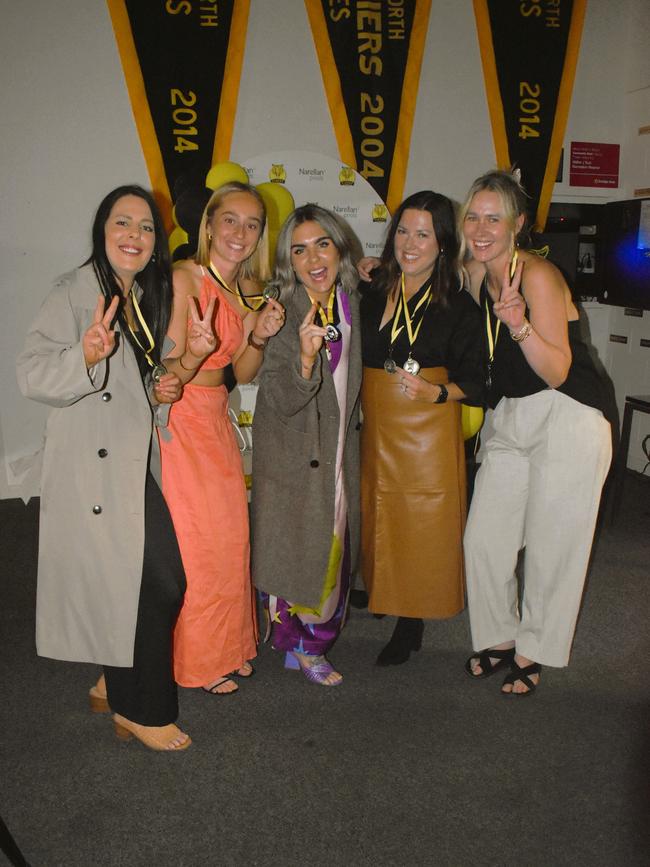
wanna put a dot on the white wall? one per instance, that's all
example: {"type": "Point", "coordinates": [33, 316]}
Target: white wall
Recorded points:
{"type": "Point", "coordinates": [69, 136]}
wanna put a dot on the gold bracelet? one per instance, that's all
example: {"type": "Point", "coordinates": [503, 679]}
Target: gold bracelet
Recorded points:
{"type": "Point", "coordinates": [523, 333]}
{"type": "Point", "coordinates": [188, 369]}
{"type": "Point", "coordinates": [252, 342]}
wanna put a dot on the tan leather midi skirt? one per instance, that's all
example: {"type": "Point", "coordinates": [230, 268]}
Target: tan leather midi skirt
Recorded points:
{"type": "Point", "coordinates": [413, 499]}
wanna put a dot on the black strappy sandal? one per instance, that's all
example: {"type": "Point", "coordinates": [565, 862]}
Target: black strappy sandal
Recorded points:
{"type": "Point", "coordinates": [522, 674]}
{"type": "Point", "coordinates": [505, 657]}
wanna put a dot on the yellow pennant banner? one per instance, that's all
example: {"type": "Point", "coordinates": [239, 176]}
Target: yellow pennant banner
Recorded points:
{"type": "Point", "coordinates": [370, 55]}
{"type": "Point", "coordinates": [182, 62]}
{"type": "Point", "coordinates": [529, 51]}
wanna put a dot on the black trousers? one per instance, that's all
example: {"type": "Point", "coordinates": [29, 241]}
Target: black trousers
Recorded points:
{"type": "Point", "coordinates": [146, 693]}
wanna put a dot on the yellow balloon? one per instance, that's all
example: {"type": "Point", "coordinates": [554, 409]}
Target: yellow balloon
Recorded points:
{"type": "Point", "coordinates": [225, 173]}
{"type": "Point", "coordinates": [177, 238]}
{"type": "Point", "coordinates": [471, 420]}
{"type": "Point", "coordinates": [279, 203]}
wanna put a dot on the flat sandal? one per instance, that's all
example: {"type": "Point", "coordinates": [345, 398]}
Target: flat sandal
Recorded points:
{"type": "Point", "coordinates": [505, 657]}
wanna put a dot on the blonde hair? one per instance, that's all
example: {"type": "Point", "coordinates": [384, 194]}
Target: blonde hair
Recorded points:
{"type": "Point", "coordinates": [513, 197]}
{"type": "Point", "coordinates": [256, 267]}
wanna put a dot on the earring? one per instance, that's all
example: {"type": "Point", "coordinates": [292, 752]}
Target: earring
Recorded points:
{"type": "Point", "coordinates": [154, 258]}
{"type": "Point", "coordinates": [209, 236]}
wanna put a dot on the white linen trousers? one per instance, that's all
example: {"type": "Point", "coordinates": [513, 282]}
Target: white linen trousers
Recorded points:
{"type": "Point", "coordinates": [538, 486]}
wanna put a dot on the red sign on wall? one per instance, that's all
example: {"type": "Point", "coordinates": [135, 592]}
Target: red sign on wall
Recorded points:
{"type": "Point", "coordinates": [594, 164]}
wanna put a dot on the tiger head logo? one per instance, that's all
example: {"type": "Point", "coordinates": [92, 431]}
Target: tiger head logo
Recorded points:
{"type": "Point", "coordinates": [379, 213]}
{"type": "Point", "coordinates": [277, 173]}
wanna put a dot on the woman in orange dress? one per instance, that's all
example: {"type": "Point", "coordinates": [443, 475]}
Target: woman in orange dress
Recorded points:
{"type": "Point", "coordinates": [203, 480]}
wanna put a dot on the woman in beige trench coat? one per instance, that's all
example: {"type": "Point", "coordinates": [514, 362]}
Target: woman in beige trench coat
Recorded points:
{"type": "Point", "coordinates": [110, 579]}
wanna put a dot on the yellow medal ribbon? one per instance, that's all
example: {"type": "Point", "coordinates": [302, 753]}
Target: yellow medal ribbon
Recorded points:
{"type": "Point", "coordinates": [145, 328]}
{"type": "Point", "coordinates": [492, 340]}
{"type": "Point", "coordinates": [239, 295]}
{"type": "Point", "coordinates": [402, 307]}
{"type": "Point", "coordinates": [326, 316]}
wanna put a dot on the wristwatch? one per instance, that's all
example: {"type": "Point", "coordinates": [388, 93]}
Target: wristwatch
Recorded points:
{"type": "Point", "coordinates": [444, 394]}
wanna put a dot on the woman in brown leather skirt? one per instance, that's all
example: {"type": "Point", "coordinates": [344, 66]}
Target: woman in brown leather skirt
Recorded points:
{"type": "Point", "coordinates": [422, 356]}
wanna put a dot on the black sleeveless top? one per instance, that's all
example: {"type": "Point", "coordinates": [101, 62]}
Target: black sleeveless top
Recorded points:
{"type": "Point", "coordinates": [510, 375]}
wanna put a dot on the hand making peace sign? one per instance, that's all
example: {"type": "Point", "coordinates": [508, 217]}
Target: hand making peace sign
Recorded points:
{"type": "Point", "coordinates": [201, 339]}
{"type": "Point", "coordinates": [511, 306]}
{"type": "Point", "coordinates": [99, 340]}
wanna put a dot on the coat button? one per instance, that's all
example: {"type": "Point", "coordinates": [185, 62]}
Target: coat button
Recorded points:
{"type": "Point", "coordinates": [358, 425]}
{"type": "Point", "coordinates": [107, 396]}
{"type": "Point", "coordinates": [313, 463]}
{"type": "Point", "coordinates": [102, 453]}
{"type": "Point", "coordinates": [97, 510]}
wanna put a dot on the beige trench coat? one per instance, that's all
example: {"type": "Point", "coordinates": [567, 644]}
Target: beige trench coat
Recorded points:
{"type": "Point", "coordinates": [96, 453]}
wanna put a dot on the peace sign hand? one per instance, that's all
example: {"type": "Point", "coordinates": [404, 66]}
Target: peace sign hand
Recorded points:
{"type": "Point", "coordinates": [99, 340]}
{"type": "Point", "coordinates": [511, 306]}
{"type": "Point", "coordinates": [201, 340]}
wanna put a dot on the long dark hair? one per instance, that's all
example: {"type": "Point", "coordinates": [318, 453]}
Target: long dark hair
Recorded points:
{"type": "Point", "coordinates": [154, 280]}
{"type": "Point", "coordinates": [445, 278]}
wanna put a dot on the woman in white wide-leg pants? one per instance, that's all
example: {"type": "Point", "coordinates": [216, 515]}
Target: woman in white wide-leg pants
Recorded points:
{"type": "Point", "coordinates": [545, 463]}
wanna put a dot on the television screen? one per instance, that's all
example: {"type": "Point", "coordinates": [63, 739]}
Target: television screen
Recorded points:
{"type": "Point", "coordinates": [626, 245]}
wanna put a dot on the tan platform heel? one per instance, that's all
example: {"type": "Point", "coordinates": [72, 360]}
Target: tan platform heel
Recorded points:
{"type": "Point", "coordinates": [98, 698]}
{"type": "Point", "coordinates": [155, 737]}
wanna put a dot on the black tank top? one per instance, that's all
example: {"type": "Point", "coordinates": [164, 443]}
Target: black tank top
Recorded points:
{"type": "Point", "coordinates": [510, 375]}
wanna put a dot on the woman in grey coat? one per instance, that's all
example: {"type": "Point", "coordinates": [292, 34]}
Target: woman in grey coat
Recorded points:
{"type": "Point", "coordinates": [305, 503]}
{"type": "Point", "coordinates": [110, 578]}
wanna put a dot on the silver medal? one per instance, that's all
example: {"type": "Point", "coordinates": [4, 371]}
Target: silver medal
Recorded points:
{"type": "Point", "coordinates": [411, 366]}
{"type": "Point", "coordinates": [158, 371]}
{"type": "Point", "coordinates": [390, 366]}
{"type": "Point", "coordinates": [332, 333]}
{"type": "Point", "coordinates": [271, 293]}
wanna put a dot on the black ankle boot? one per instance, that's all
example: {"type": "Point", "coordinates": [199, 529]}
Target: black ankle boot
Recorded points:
{"type": "Point", "coordinates": [406, 637]}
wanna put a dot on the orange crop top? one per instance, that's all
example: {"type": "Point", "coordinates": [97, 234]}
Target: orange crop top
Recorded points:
{"type": "Point", "coordinates": [228, 325]}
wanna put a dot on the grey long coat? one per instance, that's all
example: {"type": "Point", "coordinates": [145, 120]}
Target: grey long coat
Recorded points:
{"type": "Point", "coordinates": [97, 443]}
{"type": "Point", "coordinates": [295, 435]}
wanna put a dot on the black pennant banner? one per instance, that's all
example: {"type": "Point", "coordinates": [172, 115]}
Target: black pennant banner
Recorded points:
{"type": "Point", "coordinates": [529, 50]}
{"type": "Point", "coordinates": [370, 54]}
{"type": "Point", "coordinates": [182, 62]}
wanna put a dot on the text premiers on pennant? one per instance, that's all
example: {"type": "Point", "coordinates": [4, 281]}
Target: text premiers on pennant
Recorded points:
{"type": "Point", "coordinates": [183, 119]}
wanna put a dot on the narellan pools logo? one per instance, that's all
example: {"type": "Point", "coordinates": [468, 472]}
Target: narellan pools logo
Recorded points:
{"type": "Point", "coordinates": [312, 174]}
{"type": "Point", "coordinates": [347, 211]}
